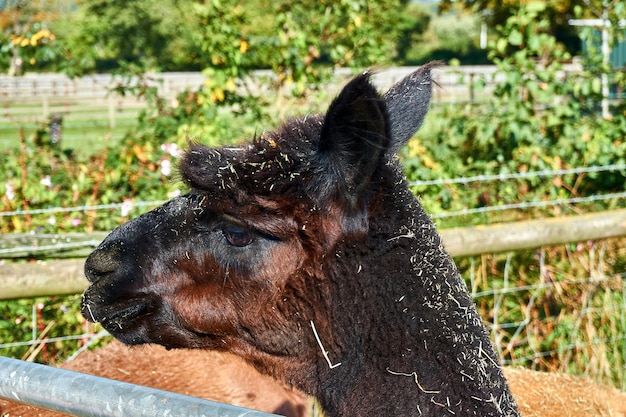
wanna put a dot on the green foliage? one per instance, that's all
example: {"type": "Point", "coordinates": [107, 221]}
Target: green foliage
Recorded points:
{"type": "Point", "coordinates": [134, 31]}
{"type": "Point", "coordinates": [25, 38]}
{"type": "Point", "coordinates": [290, 37]}
{"type": "Point", "coordinates": [226, 34]}
{"type": "Point", "coordinates": [42, 318]}
{"type": "Point", "coordinates": [40, 176]}
{"type": "Point", "coordinates": [348, 33]}
{"type": "Point", "coordinates": [300, 42]}
{"type": "Point", "coordinates": [412, 24]}
{"type": "Point", "coordinates": [539, 119]}
{"type": "Point", "coordinates": [452, 36]}
{"type": "Point", "coordinates": [555, 12]}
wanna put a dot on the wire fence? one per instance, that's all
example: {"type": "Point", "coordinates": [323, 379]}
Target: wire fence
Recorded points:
{"type": "Point", "coordinates": [443, 181]}
{"type": "Point", "coordinates": [550, 308]}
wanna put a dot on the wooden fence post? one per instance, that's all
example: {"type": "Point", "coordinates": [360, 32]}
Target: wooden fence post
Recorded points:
{"type": "Point", "coordinates": [111, 103]}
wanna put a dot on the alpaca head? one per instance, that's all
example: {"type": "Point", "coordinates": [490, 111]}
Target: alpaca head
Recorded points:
{"type": "Point", "coordinates": [217, 267]}
{"type": "Point", "coordinates": [306, 243]}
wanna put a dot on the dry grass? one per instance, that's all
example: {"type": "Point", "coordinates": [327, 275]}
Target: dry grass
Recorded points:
{"type": "Point", "coordinates": [556, 309]}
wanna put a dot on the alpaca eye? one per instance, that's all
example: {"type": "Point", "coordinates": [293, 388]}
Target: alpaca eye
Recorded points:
{"type": "Point", "coordinates": [237, 236]}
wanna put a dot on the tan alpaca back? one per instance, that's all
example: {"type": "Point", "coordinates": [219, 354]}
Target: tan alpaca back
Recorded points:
{"type": "Point", "coordinates": [541, 394]}
{"type": "Point", "coordinates": [206, 374]}
{"type": "Point", "coordinates": [226, 378]}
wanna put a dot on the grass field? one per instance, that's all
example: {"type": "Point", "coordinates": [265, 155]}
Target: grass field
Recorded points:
{"type": "Point", "coordinates": [86, 121]}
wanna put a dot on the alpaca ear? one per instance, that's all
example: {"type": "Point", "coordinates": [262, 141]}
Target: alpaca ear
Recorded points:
{"type": "Point", "coordinates": [352, 144]}
{"type": "Point", "coordinates": [407, 103]}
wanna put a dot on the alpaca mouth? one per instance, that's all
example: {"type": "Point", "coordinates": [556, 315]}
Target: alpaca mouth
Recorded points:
{"type": "Point", "coordinates": [114, 316]}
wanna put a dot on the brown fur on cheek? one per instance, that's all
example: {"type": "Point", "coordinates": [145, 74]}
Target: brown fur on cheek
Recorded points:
{"type": "Point", "coordinates": [187, 295]}
{"type": "Point", "coordinates": [214, 317]}
{"type": "Point", "coordinates": [282, 262]}
{"type": "Point", "coordinates": [231, 293]}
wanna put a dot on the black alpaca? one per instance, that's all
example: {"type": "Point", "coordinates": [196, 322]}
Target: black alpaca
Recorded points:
{"type": "Point", "coordinates": [305, 253]}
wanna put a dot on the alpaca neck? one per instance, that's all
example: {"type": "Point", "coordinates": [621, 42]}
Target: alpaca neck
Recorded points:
{"type": "Point", "coordinates": [411, 342]}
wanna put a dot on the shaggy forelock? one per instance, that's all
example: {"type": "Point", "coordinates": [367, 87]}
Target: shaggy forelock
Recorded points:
{"type": "Point", "coordinates": [272, 164]}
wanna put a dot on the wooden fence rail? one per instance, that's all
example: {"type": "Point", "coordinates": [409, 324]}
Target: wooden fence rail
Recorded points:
{"type": "Point", "coordinates": [458, 84]}
{"type": "Point", "coordinates": [65, 276]}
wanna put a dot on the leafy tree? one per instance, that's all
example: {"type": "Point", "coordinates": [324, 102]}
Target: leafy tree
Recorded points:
{"type": "Point", "coordinates": [538, 119]}
{"type": "Point", "coordinates": [25, 37]}
{"type": "Point", "coordinates": [288, 37]}
{"type": "Point", "coordinates": [451, 37]}
{"type": "Point", "coordinates": [599, 41]}
{"type": "Point", "coordinates": [411, 25]}
{"type": "Point", "coordinates": [301, 42]}
{"type": "Point", "coordinates": [154, 36]}
{"type": "Point", "coordinates": [556, 12]}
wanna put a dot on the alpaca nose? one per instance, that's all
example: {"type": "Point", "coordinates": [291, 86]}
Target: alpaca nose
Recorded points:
{"type": "Point", "coordinates": [102, 262]}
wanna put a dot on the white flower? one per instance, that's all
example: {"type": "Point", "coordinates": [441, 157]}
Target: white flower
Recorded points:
{"type": "Point", "coordinates": [172, 149]}
{"type": "Point", "coordinates": [10, 191]}
{"type": "Point", "coordinates": [166, 167]}
{"type": "Point", "coordinates": [127, 206]}
{"type": "Point", "coordinates": [52, 220]}
{"type": "Point", "coordinates": [173, 194]}
{"type": "Point", "coordinates": [46, 181]}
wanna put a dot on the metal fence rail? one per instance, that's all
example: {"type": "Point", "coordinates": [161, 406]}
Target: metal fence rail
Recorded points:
{"type": "Point", "coordinates": [90, 396]}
